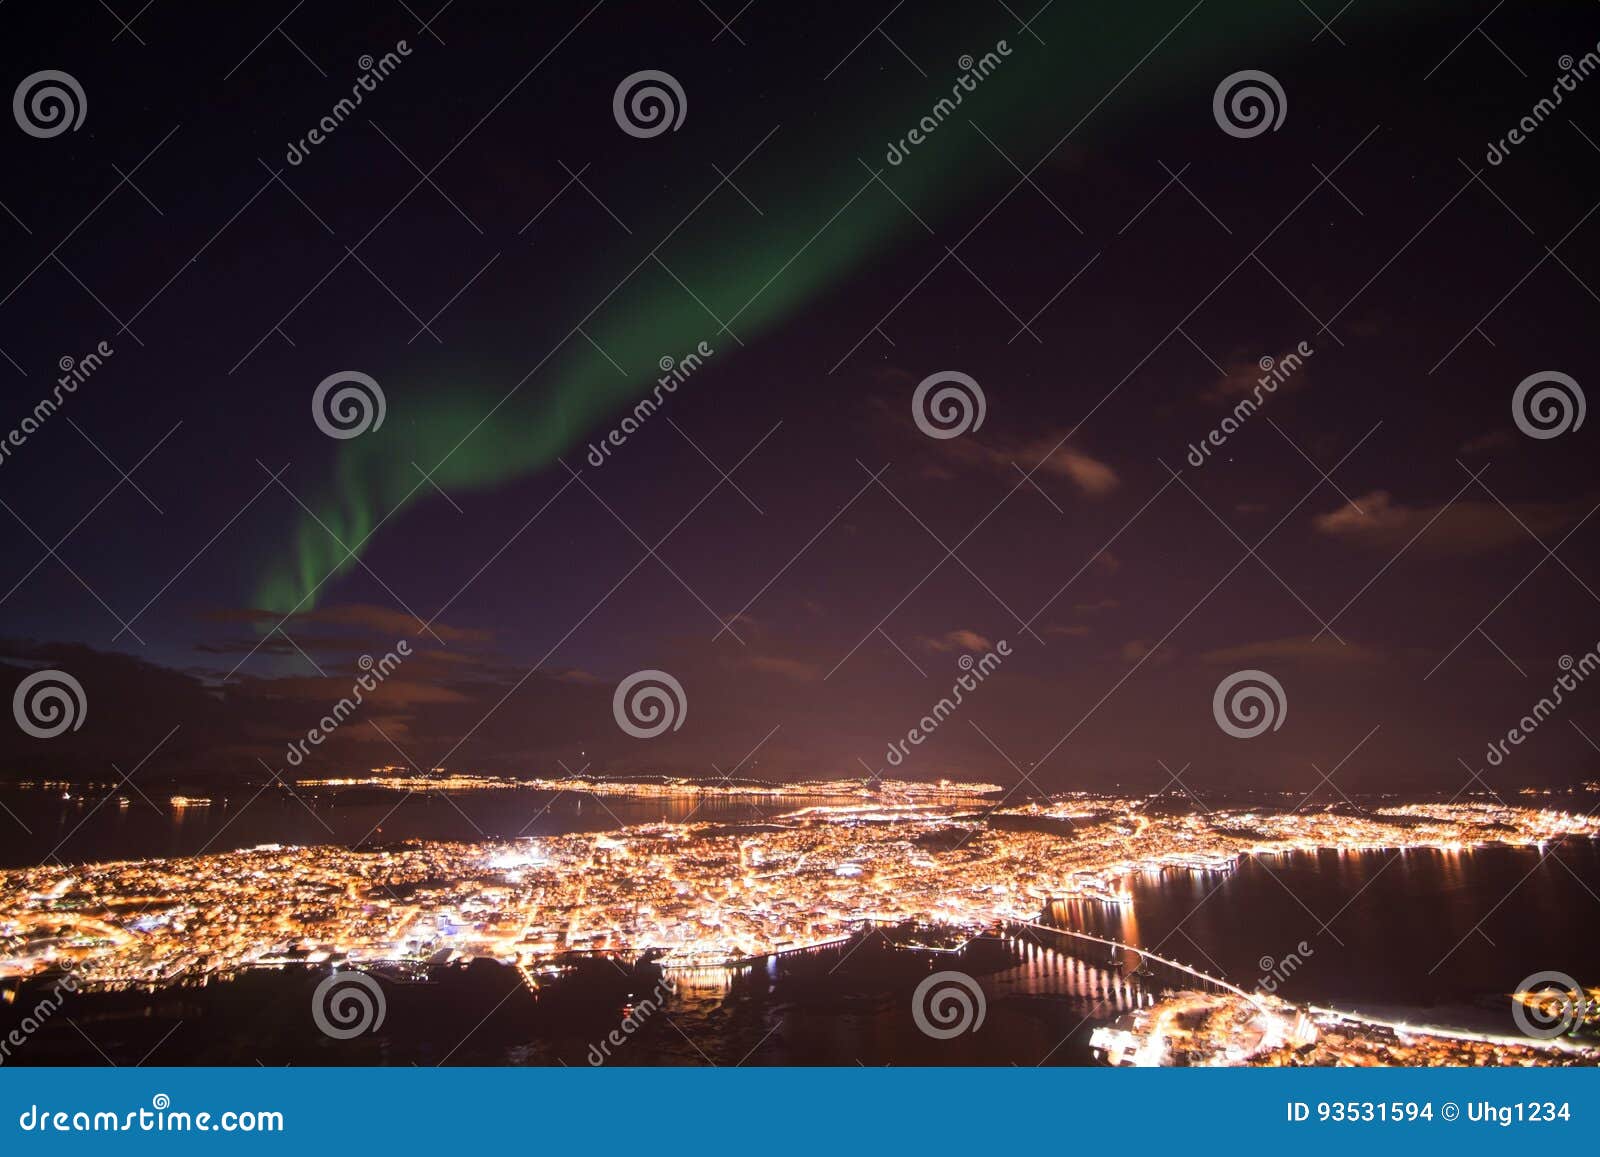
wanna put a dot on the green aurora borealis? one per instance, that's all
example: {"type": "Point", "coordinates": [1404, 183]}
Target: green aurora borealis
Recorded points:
{"type": "Point", "coordinates": [823, 222]}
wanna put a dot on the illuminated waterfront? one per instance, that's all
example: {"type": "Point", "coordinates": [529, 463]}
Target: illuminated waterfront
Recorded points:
{"type": "Point", "coordinates": [695, 893]}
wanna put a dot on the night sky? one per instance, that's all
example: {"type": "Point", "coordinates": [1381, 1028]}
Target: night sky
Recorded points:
{"type": "Point", "coordinates": [1080, 237]}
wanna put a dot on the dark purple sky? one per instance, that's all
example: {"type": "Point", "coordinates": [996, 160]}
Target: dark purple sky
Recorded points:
{"type": "Point", "coordinates": [1420, 564]}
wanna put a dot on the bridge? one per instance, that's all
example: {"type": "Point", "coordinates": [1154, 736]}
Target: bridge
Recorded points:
{"type": "Point", "coordinates": [1148, 955]}
{"type": "Point", "coordinates": [701, 964]}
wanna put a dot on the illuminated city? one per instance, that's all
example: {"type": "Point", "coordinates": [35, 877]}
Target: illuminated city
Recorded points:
{"type": "Point", "coordinates": [692, 895]}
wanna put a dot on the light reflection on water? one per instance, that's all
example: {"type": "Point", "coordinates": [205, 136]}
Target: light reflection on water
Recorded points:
{"type": "Point", "coordinates": [96, 827]}
{"type": "Point", "coordinates": [1448, 930]}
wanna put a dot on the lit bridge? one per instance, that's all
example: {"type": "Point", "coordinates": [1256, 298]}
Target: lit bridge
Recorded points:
{"type": "Point", "coordinates": [1146, 953]}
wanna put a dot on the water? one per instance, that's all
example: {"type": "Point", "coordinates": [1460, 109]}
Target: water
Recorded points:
{"type": "Point", "coordinates": [37, 826]}
{"type": "Point", "coordinates": [1445, 934]}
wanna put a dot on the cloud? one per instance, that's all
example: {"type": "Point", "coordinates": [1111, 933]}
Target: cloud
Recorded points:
{"type": "Point", "coordinates": [1294, 649]}
{"type": "Point", "coordinates": [1099, 605]}
{"type": "Point", "coordinates": [219, 716]}
{"type": "Point", "coordinates": [394, 693]}
{"type": "Point", "coordinates": [1072, 632]}
{"type": "Point", "coordinates": [1463, 528]}
{"type": "Point", "coordinates": [1494, 440]}
{"type": "Point", "coordinates": [580, 676]}
{"type": "Point", "coordinates": [1043, 456]}
{"type": "Point", "coordinates": [173, 723]}
{"type": "Point", "coordinates": [1148, 653]}
{"type": "Point", "coordinates": [386, 623]}
{"type": "Point", "coordinates": [1093, 476]}
{"type": "Point", "coordinates": [1137, 650]}
{"type": "Point", "coordinates": [797, 669]}
{"type": "Point", "coordinates": [1241, 375]}
{"type": "Point", "coordinates": [1370, 326]}
{"type": "Point", "coordinates": [962, 640]}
